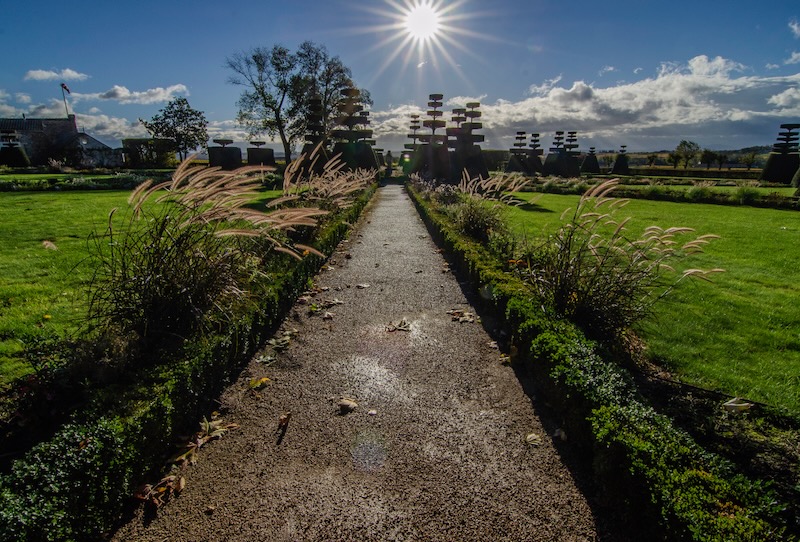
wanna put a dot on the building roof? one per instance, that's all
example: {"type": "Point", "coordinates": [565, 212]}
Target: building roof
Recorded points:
{"type": "Point", "coordinates": [22, 125]}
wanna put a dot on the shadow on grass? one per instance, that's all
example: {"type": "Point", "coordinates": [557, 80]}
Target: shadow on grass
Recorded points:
{"type": "Point", "coordinates": [532, 207]}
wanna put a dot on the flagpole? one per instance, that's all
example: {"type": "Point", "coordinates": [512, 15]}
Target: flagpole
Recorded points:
{"type": "Point", "coordinates": [64, 96]}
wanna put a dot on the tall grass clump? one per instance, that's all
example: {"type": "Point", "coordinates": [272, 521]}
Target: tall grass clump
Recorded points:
{"type": "Point", "coordinates": [476, 207]}
{"type": "Point", "coordinates": [187, 255]}
{"type": "Point", "coordinates": [594, 274]}
{"type": "Point", "coordinates": [330, 187]}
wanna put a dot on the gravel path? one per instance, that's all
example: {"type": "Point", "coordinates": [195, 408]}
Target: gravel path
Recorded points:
{"type": "Point", "coordinates": [435, 449]}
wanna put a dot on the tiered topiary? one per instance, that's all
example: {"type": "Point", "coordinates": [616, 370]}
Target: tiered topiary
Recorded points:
{"type": "Point", "coordinates": [351, 141]}
{"type": "Point", "coordinates": [590, 164]}
{"type": "Point", "coordinates": [783, 162]}
{"type": "Point", "coordinates": [621, 166]}
{"type": "Point", "coordinates": [562, 159]}
{"type": "Point", "coordinates": [517, 161]}
{"type": "Point", "coordinates": [535, 155]}
{"type": "Point", "coordinates": [466, 155]}
{"type": "Point", "coordinates": [256, 156]}
{"type": "Point", "coordinates": [411, 148]}
{"type": "Point", "coordinates": [227, 158]}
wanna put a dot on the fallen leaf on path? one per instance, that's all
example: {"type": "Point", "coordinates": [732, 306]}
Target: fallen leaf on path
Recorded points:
{"type": "Point", "coordinates": [462, 316]}
{"type": "Point", "coordinates": [362, 286]}
{"type": "Point", "coordinates": [328, 316]}
{"type": "Point", "coordinates": [505, 359]}
{"type": "Point", "coordinates": [347, 405]}
{"type": "Point", "coordinates": [259, 383]}
{"type": "Point", "coordinates": [532, 439]}
{"type": "Point", "coordinates": [560, 434]}
{"type": "Point", "coordinates": [283, 421]}
{"type": "Point", "coordinates": [402, 325]}
{"type": "Point", "coordinates": [266, 359]}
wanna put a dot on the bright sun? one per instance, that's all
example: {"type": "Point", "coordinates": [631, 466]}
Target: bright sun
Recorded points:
{"type": "Point", "coordinates": [422, 22]}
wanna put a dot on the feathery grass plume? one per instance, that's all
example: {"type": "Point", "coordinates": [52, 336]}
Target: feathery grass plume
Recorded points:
{"type": "Point", "coordinates": [190, 255]}
{"type": "Point", "coordinates": [499, 187]}
{"type": "Point", "coordinates": [333, 188]}
{"type": "Point", "coordinates": [592, 273]}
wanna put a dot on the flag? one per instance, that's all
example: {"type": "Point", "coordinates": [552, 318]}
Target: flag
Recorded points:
{"type": "Point", "coordinates": [65, 87]}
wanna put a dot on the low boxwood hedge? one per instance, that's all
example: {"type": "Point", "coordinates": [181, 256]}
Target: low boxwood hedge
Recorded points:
{"type": "Point", "coordinates": [75, 485]}
{"type": "Point", "coordinates": [654, 474]}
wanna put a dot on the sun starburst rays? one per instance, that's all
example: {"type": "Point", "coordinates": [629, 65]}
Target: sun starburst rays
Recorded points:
{"type": "Point", "coordinates": [420, 40]}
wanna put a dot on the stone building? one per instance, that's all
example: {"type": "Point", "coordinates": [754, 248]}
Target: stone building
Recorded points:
{"type": "Point", "coordinates": [59, 139]}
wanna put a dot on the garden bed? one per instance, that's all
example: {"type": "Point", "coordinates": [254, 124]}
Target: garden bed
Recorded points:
{"type": "Point", "coordinates": [654, 473]}
{"type": "Point", "coordinates": [76, 484]}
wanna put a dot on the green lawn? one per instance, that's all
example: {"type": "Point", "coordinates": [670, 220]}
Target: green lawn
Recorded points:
{"type": "Point", "coordinates": [739, 334]}
{"type": "Point", "coordinates": [42, 289]}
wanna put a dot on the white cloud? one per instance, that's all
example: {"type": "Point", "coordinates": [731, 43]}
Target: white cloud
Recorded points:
{"type": "Point", "coordinates": [66, 74]}
{"type": "Point", "coordinates": [637, 71]}
{"type": "Point", "coordinates": [606, 69]}
{"type": "Point", "coordinates": [421, 64]}
{"type": "Point", "coordinates": [712, 67]}
{"type": "Point", "coordinates": [22, 98]}
{"type": "Point", "coordinates": [772, 66]}
{"type": "Point", "coordinates": [794, 59]}
{"type": "Point", "coordinates": [795, 27]}
{"type": "Point", "coordinates": [544, 88]}
{"type": "Point", "coordinates": [122, 95]}
{"type": "Point", "coordinates": [701, 98]}
{"type": "Point", "coordinates": [461, 101]}
{"type": "Point", "coordinates": [230, 129]}
{"type": "Point", "coordinates": [108, 128]}
{"type": "Point", "coordinates": [786, 99]}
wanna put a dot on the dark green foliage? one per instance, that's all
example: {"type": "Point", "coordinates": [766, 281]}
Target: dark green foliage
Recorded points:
{"type": "Point", "coordinates": [64, 488]}
{"type": "Point", "coordinates": [186, 127]}
{"type": "Point", "coordinates": [479, 219]}
{"type": "Point", "coordinates": [746, 195]}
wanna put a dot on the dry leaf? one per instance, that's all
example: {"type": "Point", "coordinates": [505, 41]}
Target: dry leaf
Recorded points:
{"type": "Point", "coordinates": [259, 383]}
{"type": "Point", "coordinates": [532, 439]}
{"type": "Point", "coordinates": [347, 405]}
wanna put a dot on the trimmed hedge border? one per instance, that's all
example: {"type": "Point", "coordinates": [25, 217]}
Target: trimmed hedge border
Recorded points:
{"type": "Point", "coordinates": [654, 474]}
{"type": "Point", "coordinates": [76, 485]}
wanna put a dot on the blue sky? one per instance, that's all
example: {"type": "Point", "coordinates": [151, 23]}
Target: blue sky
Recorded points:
{"type": "Point", "coordinates": [641, 73]}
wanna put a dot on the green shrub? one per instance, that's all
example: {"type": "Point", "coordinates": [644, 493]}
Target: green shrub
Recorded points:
{"type": "Point", "coordinates": [61, 490]}
{"type": "Point", "coordinates": [746, 195]}
{"type": "Point", "coordinates": [479, 219]}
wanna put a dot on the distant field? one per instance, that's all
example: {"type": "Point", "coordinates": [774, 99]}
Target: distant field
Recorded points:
{"type": "Point", "coordinates": [739, 334]}
{"type": "Point", "coordinates": [44, 266]}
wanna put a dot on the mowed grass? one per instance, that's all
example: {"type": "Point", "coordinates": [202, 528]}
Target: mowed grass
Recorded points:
{"type": "Point", "coordinates": [739, 334]}
{"type": "Point", "coordinates": [45, 265]}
